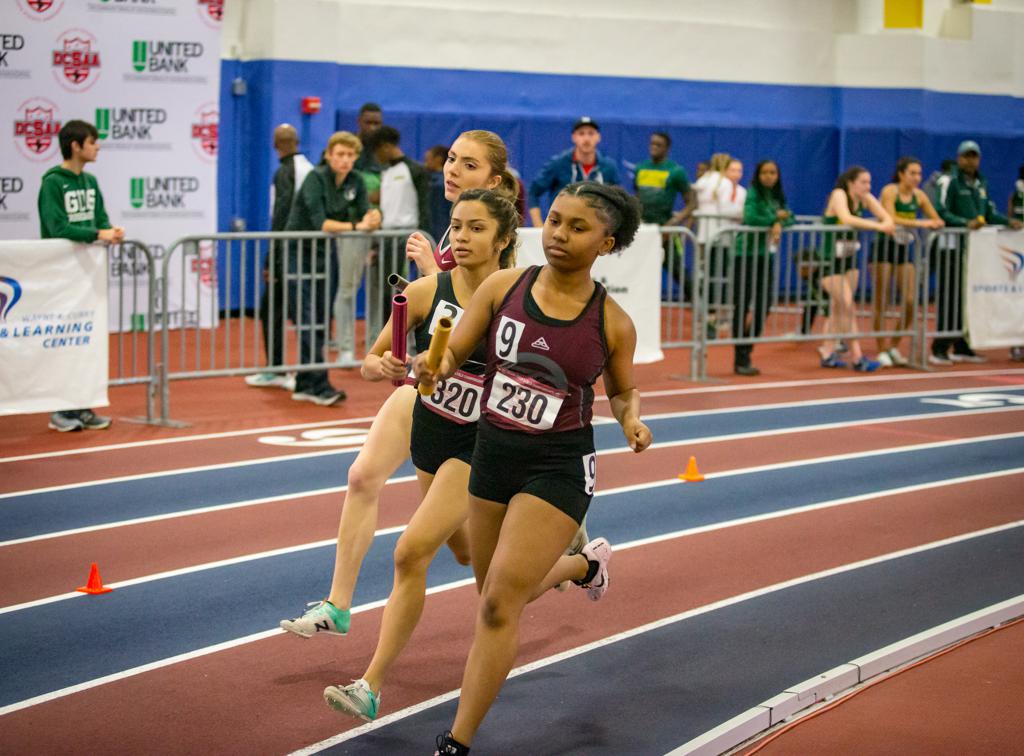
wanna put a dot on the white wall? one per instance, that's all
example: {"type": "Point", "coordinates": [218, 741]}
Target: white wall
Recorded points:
{"type": "Point", "coordinates": [962, 48]}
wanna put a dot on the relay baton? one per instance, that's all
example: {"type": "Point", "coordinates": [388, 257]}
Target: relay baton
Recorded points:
{"type": "Point", "coordinates": [438, 344]}
{"type": "Point", "coordinates": [396, 282]}
{"type": "Point", "coordinates": [398, 314]}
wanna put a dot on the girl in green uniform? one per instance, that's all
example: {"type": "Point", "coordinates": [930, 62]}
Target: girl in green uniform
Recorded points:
{"type": "Point", "coordinates": [846, 205]}
{"type": "Point", "coordinates": [903, 200]}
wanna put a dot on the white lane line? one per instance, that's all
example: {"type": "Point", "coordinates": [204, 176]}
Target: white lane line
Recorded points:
{"type": "Point", "coordinates": [600, 453]}
{"type": "Point", "coordinates": [191, 512]}
{"type": "Point", "coordinates": [183, 439]}
{"type": "Point", "coordinates": [777, 514]}
{"type": "Point", "coordinates": [164, 473]}
{"type": "Point", "coordinates": [845, 679]}
{"type": "Point", "coordinates": [594, 646]}
{"type": "Point", "coordinates": [662, 416]}
{"type": "Point", "coordinates": [197, 653]}
{"type": "Point", "coordinates": [601, 398]}
{"type": "Point", "coordinates": [53, 695]}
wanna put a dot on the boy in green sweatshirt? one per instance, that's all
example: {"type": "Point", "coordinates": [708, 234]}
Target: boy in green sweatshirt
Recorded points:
{"type": "Point", "coordinates": [71, 207]}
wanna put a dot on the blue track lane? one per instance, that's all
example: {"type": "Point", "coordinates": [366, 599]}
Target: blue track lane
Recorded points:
{"type": "Point", "coordinates": [52, 646]}
{"type": "Point", "coordinates": [650, 693]}
{"type": "Point", "coordinates": [96, 504]}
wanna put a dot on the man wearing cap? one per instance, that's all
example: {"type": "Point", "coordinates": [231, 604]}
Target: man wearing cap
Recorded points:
{"type": "Point", "coordinates": [581, 163]}
{"type": "Point", "coordinates": [964, 202]}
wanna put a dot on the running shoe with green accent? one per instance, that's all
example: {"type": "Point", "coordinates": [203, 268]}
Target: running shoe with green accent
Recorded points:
{"type": "Point", "coordinates": [356, 700]}
{"type": "Point", "coordinates": [320, 617]}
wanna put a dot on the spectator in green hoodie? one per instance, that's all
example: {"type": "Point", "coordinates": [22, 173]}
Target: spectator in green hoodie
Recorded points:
{"type": "Point", "coordinates": [71, 207]}
{"type": "Point", "coordinates": [964, 203]}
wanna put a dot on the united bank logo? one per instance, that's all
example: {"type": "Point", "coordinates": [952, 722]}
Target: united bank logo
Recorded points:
{"type": "Point", "coordinates": [205, 126]}
{"type": "Point", "coordinates": [129, 125]}
{"type": "Point", "coordinates": [10, 293]}
{"type": "Point", "coordinates": [1013, 262]}
{"type": "Point", "coordinates": [35, 128]}
{"type": "Point", "coordinates": [12, 47]}
{"type": "Point", "coordinates": [9, 185]}
{"type": "Point", "coordinates": [163, 194]}
{"type": "Point", "coordinates": [76, 60]}
{"type": "Point", "coordinates": [164, 56]}
{"type": "Point", "coordinates": [40, 10]}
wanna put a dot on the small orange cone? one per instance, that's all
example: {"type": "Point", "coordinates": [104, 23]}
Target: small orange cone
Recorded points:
{"type": "Point", "coordinates": [95, 584]}
{"type": "Point", "coordinates": [692, 474]}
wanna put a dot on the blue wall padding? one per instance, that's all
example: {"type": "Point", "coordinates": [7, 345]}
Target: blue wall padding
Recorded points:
{"type": "Point", "coordinates": [813, 132]}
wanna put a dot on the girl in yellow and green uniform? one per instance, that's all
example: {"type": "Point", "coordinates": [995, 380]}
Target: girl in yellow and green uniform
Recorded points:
{"type": "Point", "coordinates": [891, 254]}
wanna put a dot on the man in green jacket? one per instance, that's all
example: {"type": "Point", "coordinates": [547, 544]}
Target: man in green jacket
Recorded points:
{"type": "Point", "coordinates": [71, 207]}
{"type": "Point", "coordinates": [965, 203]}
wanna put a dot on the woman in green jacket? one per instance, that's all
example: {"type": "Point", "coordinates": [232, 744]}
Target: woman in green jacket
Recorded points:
{"type": "Point", "coordinates": [753, 266]}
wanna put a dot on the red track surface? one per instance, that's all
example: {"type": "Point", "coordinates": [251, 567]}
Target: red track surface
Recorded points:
{"type": "Point", "coordinates": [263, 696]}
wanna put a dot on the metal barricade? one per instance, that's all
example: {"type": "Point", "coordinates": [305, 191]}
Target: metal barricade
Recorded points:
{"type": "Point", "coordinates": [942, 288]}
{"type": "Point", "coordinates": [680, 289]}
{"type": "Point", "coordinates": [131, 306]}
{"type": "Point", "coordinates": [298, 283]}
{"type": "Point", "coordinates": [773, 290]}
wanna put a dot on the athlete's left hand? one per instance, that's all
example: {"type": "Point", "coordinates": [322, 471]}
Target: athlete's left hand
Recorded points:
{"type": "Point", "coordinates": [638, 435]}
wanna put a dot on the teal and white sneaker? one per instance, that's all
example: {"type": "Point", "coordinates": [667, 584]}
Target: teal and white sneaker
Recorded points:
{"type": "Point", "coordinates": [320, 617]}
{"type": "Point", "coordinates": [356, 700]}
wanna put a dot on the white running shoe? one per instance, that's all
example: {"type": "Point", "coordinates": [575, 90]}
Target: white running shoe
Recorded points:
{"type": "Point", "coordinates": [897, 357]}
{"type": "Point", "coordinates": [884, 360]}
{"type": "Point", "coordinates": [356, 700]}
{"type": "Point", "coordinates": [319, 617]}
{"type": "Point", "coordinates": [271, 380]}
{"type": "Point", "coordinates": [600, 551]}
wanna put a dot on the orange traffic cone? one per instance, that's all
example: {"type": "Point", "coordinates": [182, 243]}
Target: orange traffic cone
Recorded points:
{"type": "Point", "coordinates": [95, 584]}
{"type": "Point", "coordinates": [692, 474]}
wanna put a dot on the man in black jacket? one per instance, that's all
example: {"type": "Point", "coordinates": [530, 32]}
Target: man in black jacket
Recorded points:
{"type": "Point", "coordinates": [292, 171]}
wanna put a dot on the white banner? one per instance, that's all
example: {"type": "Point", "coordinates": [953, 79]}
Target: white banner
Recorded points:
{"type": "Point", "coordinates": [633, 278]}
{"type": "Point", "coordinates": [53, 326]}
{"type": "Point", "coordinates": [147, 75]}
{"type": "Point", "coordinates": [995, 289]}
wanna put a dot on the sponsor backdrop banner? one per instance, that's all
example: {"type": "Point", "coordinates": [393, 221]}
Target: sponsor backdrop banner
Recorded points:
{"type": "Point", "coordinates": [632, 277]}
{"type": "Point", "coordinates": [53, 326]}
{"type": "Point", "coordinates": [146, 74]}
{"type": "Point", "coordinates": [995, 289]}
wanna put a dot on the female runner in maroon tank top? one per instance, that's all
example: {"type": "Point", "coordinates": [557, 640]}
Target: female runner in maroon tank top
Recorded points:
{"type": "Point", "coordinates": [550, 331]}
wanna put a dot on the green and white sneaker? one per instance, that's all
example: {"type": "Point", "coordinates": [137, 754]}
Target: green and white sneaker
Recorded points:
{"type": "Point", "coordinates": [320, 617]}
{"type": "Point", "coordinates": [356, 700]}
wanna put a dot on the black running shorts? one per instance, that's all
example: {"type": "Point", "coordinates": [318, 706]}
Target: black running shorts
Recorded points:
{"type": "Point", "coordinates": [560, 468]}
{"type": "Point", "coordinates": [436, 440]}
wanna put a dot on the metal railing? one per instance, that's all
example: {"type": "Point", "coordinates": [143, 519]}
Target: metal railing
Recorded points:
{"type": "Point", "coordinates": [755, 289]}
{"type": "Point", "coordinates": [132, 311]}
{"type": "Point", "coordinates": [299, 283]}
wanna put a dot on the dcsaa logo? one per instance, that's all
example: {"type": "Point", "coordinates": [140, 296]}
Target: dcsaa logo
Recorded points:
{"type": "Point", "coordinates": [40, 10]}
{"type": "Point", "coordinates": [76, 60]}
{"type": "Point", "coordinates": [211, 11]}
{"type": "Point", "coordinates": [36, 127]}
{"type": "Point", "coordinates": [205, 127]}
